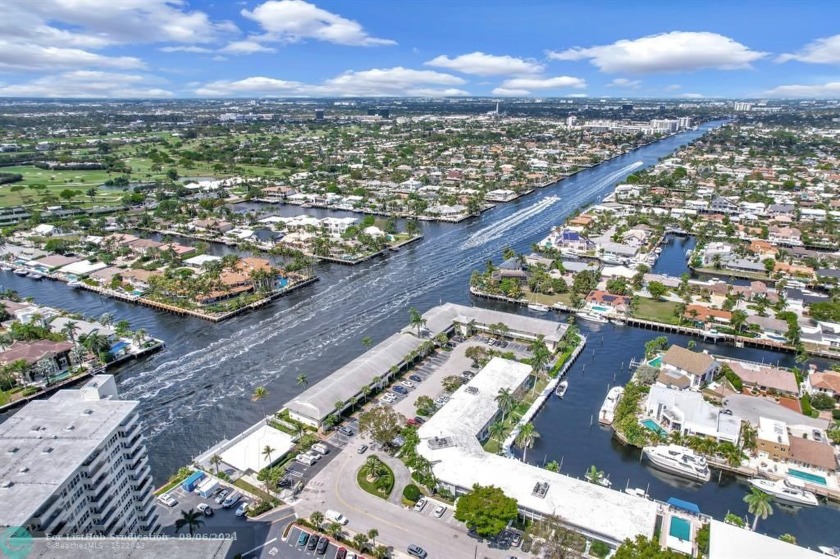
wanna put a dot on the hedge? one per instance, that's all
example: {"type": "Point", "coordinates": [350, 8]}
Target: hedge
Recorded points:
{"type": "Point", "coordinates": [412, 493]}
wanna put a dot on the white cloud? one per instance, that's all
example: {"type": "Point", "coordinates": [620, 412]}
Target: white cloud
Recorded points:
{"type": "Point", "coordinates": [826, 90]}
{"type": "Point", "coordinates": [247, 46]}
{"type": "Point", "coordinates": [481, 64]}
{"type": "Point", "coordinates": [577, 95]}
{"type": "Point", "coordinates": [543, 83]}
{"type": "Point", "coordinates": [511, 92]}
{"type": "Point", "coordinates": [691, 96]}
{"type": "Point", "coordinates": [624, 83]}
{"type": "Point", "coordinates": [821, 51]}
{"type": "Point", "coordinates": [187, 48]}
{"type": "Point", "coordinates": [32, 57]}
{"type": "Point", "coordinates": [295, 20]}
{"type": "Point", "coordinates": [677, 51]}
{"type": "Point", "coordinates": [88, 83]}
{"type": "Point", "coordinates": [673, 87]}
{"type": "Point", "coordinates": [387, 82]}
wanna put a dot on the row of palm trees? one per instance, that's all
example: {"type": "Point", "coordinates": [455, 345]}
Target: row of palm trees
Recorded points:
{"type": "Point", "coordinates": [361, 541]}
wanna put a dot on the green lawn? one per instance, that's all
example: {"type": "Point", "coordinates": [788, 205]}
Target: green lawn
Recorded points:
{"type": "Point", "coordinates": [382, 487]}
{"type": "Point", "coordinates": [657, 311]}
{"type": "Point", "coordinates": [55, 182]}
{"type": "Point", "coordinates": [564, 298]}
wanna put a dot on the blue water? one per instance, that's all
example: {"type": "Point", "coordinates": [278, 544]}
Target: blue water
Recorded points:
{"type": "Point", "coordinates": [118, 346]}
{"type": "Point", "coordinates": [672, 260]}
{"type": "Point", "coordinates": [680, 528]}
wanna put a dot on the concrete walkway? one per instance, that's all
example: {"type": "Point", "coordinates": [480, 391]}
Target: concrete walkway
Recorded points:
{"type": "Point", "coordinates": [402, 477]}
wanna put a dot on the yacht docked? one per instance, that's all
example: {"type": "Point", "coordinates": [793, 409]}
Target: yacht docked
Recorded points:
{"type": "Point", "coordinates": [786, 491]}
{"type": "Point", "coordinates": [560, 391]}
{"type": "Point", "coordinates": [678, 460]}
{"type": "Point", "coordinates": [34, 275]}
{"type": "Point", "coordinates": [830, 551]}
{"type": "Point", "coordinates": [607, 413]}
{"type": "Point", "coordinates": [538, 307]}
{"type": "Point", "coordinates": [21, 271]}
{"type": "Point", "coordinates": [592, 317]}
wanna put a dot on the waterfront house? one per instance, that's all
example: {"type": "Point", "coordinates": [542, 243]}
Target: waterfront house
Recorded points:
{"type": "Point", "coordinates": [699, 367]}
{"type": "Point", "coordinates": [788, 236]}
{"type": "Point", "coordinates": [687, 413]}
{"type": "Point", "coordinates": [723, 205]}
{"type": "Point", "coordinates": [769, 325]}
{"type": "Point", "coordinates": [765, 378]}
{"type": "Point", "coordinates": [617, 252]}
{"type": "Point", "coordinates": [826, 382]}
{"type": "Point", "coordinates": [793, 270]}
{"type": "Point", "coordinates": [703, 316]}
{"type": "Point", "coordinates": [794, 445]}
{"type": "Point", "coordinates": [715, 252]}
{"type": "Point", "coordinates": [762, 249]}
{"type": "Point", "coordinates": [42, 358]}
{"type": "Point", "coordinates": [144, 246]}
{"type": "Point", "coordinates": [597, 299]}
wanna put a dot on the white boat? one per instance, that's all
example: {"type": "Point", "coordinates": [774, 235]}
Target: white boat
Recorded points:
{"type": "Point", "coordinates": [637, 491]}
{"type": "Point", "coordinates": [592, 317]}
{"type": "Point", "coordinates": [6, 266]}
{"type": "Point", "coordinates": [21, 271]}
{"type": "Point", "coordinates": [560, 391]}
{"type": "Point", "coordinates": [602, 481]}
{"type": "Point", "coordinates": [658, 250]}
{"type": "Point", "coordinates": [538, 307]}
{"type": "Point", "coordinates": [607, 413]}
{"type": "Point", "coordinates": [786, 491]}
{"type": "Point", "coordinates": [34, 275]}
{"type": "Point", "coordinates": [678, 460]}
{"type": "Point", "coordinates": [830, 551]}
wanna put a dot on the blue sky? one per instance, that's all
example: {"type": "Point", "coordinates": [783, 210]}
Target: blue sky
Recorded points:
{"type": "Point", "coordinates": [537, 48]}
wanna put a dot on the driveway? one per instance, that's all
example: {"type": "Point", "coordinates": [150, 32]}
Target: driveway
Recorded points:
{"type": "Point", "coordinates": [751, 408]}
{"type": "Point", "coordinates": [335, 488]}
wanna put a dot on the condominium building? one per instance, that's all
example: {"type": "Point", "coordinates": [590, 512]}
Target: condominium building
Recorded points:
{"type": "Point", "coordinates": [76, 464]}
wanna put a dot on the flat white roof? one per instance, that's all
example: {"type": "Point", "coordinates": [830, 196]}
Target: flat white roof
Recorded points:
{"type": "Point", "coordinates": [773, 431]}
{"type": "Point", "coordinates": [82, 267]}
{"type": "Point", "coordinates": [247, 454]}
{"type": "Point", "coordinates": [449, 441]}
{"type": "Point", "coordinates": [439, 319]}
{"type": "Point", "coordinates": [727, 541]}
{"type": "Point", "coordinates": [201, 260]}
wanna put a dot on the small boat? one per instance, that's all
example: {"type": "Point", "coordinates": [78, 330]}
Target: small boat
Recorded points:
{"type": "Point", "coordinates": [638, 492]}
{"type": "Point", "coordinates": [560, 391]}
{"type": "Point", "coordinates": [678, 460]}
{"type": "Point", "coordinates": [658, 250]}
{"type": "Point", "coordinates": [602, 481]}
{"type": "Point", "coordinates": [592, 317]}
{"type": "Point", "coordinates": [75, 284]}
{"type": "Point", "coordinates": [786, 491]}
{"type": "Point", "coordinates": [538, 307]}
{"type": "Point", "coordinates": [35, 275]}
{"type": "Point", "coordinates": [6, 266]}
{"type": "Point", "coordinates": [832, 551]}
{"type": "Point", "coordinates": [21, 271]}
{"type": "Point", "coordinates": [607, 413]}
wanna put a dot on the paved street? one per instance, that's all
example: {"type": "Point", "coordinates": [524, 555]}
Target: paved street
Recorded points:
{"type": "Point", "coordinates": [335, 488]}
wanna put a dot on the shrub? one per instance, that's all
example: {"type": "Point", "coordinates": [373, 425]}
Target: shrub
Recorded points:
{"type": "Point", "coordinates": [412, 493]}
{"type": "Point", "coordinates": [835, 414]}
{"type": "Point", "coordinates": [599, 548]}
{"type": "Point", "coordinates": [822, 401]}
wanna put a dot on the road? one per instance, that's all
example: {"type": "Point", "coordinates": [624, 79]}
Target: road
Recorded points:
{"type": "Point", "coordinates": [335, 488]}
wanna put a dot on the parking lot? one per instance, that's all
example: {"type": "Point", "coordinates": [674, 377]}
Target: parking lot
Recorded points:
{"type": "Point", "coordinates": [291, 549]}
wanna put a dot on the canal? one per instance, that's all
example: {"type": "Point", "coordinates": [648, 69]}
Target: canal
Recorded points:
{"type": "Point", "coordinates": [198, 390]}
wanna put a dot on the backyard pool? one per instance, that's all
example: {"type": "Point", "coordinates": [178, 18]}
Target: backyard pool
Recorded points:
{"type": "Point", "coordinates": [680, 528]}
{"type": "Point", "coordinates": [654, 426]}
{"type": "Point", "coordinates": [599, 308]}
{"type": "Point", "coordinates": [806, 476]}
{"type": "Point", "coordinates": [655, 362]}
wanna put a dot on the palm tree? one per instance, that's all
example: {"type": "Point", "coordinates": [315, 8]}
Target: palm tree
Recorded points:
{"type": "Point", "coordinates": [505, 400]}
{"type": "Point", "coordinates": [189, 518]}
{"type": "Point", "coordinates": [528, 435]}
{"type": "Point", "coordinates": [594, 475]}
{"type": "Point", "coordinates": [215, 460]}
{"type": "Point", "coordinates": [302, 381]}
{"type": "Point", "coordinates": [106, 319]}
{"type": "Point", "coordinates": [316, 518]}
{"type": "Point", "coordinates": [372, 534]}
{"type": "Point", "coordinates": [260, 392]}
{"type": "Point", "coordinates": [97, 344]}
{"type": "Point", "coordinates": [497, 431]}
{"type": "Point", "coordinates": [139, 337]}
{"type": "Point", "coordinates": [122, 328]}
{"type": "Point", "coordinates": [367, 341]}
{"type": "Point", "coordinates": [69, 330]}
{"type": "Point", "coordinates": [540, 355]}
{"type": "Point", "coordinates": [416, 320]}
{"type": "Point", "coordinates": [738, 319]}
{"type": "Point", "coordinates": [266, 453]}
{"type": "Point", "coordinates": [759, 505]}
{"type": "Point", "coordinates": [553, 466]}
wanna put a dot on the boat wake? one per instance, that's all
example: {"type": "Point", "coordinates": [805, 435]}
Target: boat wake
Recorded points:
{"type": "Point", "coordinates": [494, 231]}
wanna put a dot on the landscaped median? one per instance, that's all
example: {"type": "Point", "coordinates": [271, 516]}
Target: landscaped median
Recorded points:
{"type": "Point", "coordinates": [376, 477]}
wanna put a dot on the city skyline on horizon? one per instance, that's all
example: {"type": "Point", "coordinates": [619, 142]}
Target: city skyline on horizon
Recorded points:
{"type": "Point", "coordinates": [170, 49]}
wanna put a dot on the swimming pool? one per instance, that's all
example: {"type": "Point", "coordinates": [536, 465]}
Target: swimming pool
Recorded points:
{"type": "Point", "coordinates": [599, 308]}
{"type": "Point", "coordinates": [654, 426]}
{"type": "Point", "coordinates": [655, 362]}
{"type": "Point", "coordinates": [282, 283]}
{"type": "Point", "coordinates": [680, 528]}
{"type": "Point", "coordinates": [118, 346]}
{"type": "Point", "coordinates": [806, 476]}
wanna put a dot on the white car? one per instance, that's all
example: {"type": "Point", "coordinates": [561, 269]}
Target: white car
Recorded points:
{"type": "Point", "coordinates": [389, 398]}
{"type": "Point", "coordinates": [407, 383]}
{"type": "Point", "coordinates": [168, 500]}
{"type": "Point", "coordinates": [441, 400]}
{"type": "Point", "coordinates": [420, 505]}
{"type": "Point", "coordinates": [439, 510]}
{"type": "Point", "coordinates": [243, 508]}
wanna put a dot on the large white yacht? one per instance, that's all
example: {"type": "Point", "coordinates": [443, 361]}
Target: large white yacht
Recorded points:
{"type": "Point", "coordinates": [786, 491]}
{"type": "Point", "coordinates": [607, 413]}
{"type": "Point", "coordinates": [678, 460]}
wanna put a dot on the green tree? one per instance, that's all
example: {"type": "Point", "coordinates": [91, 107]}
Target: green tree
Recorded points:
{"type": "Point", "coordinates": [191, 519]}
{"type": "Point", "coordinates": [644, 548]}
{"type": "Point", "coordinates": [215, 460]}
{"type": "Point", "coordinates": [381, 424]}
{"type": "Point", "coordinates": [373, 533]}
{"type": "Point", "coordinates": [266, 453]}
{"type": "Point", "coordinates": [416, 320]}
{"type": "Point", "coordinates": [553, 466]}
{"type": "Point", "coordinates": [260, 392]}
{"type": "Point", "coordinates": [758, 503]}
{"type": "Point", "coordinates": [316, 518]}
{"type": "Point", "coordinates": [657, 290]}
{"type": "Point", "coordinates": [367, 341]}
{"type": "Point", "coordinates": [302, 381]}
{"type": "Point", "coordinates": [526, 438]}
{"type": "Point", "coordinates": [505, 400]}
{"type": "Point", "coordinates": [486, 510]}
{"type": "Point", "coordinates": [789, 538]}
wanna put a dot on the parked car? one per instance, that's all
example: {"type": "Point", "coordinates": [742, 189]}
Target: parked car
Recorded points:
{"type": "Point", "coordinates": [303, 538]}
{"type": "Point", "coordinates": [515, 539]}
{"type": "Point", "coordinates": [322, 546]}
{"type": "Point", "coordinates": [321, 448]}
{"type": "Point", "coordinates": [419, 420]}
{"type": "Point", "coordinates": [313, 542]}
{"type": "Point", "coordinates": [285, 482]}
{"type": "Point", "coordinates": [220, 498]}
{"type": "Point", "coordinates": [407, 383]}
{"type": "Point", "coordinates": [417, 551]}
{"type": "Point", "coordinates": [441, 400]}
{"type": "Point", "coordinates": [389, 398]}
{"type": "Point", "coordinates": [205, 508]}
{"type": "Point", "coordinates": [439, 510]}
{"type": "Point", "coordinates": [243, 508]}
{"type": "Point", "coordinates": [415, 378]}
{"type": "Point", "coordinates": [362, 448]}
{"type": "Point", "coordinates": [817, 435]}
{"type": "Point", "coordinates": [400, 390]}
{"type": "Point", "coordinates": [168, 500]}
{"type": "Point", "coordinates": [341, 553]}
{"type": "Point", "coordinates": [335, 516]}
{"type": "Point", "coordinates": [231, 499]}
{"type": "Point", "coordinates": [420, 504]}
{"type": "Point", "coordinates": [346, 431]}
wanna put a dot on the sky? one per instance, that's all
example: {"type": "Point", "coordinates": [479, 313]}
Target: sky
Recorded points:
{"type": "Point", "coordinates": [419, 48]}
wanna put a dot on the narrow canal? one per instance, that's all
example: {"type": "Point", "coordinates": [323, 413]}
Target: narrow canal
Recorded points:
{"type": "Point", "coordinates": [198, 390]}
